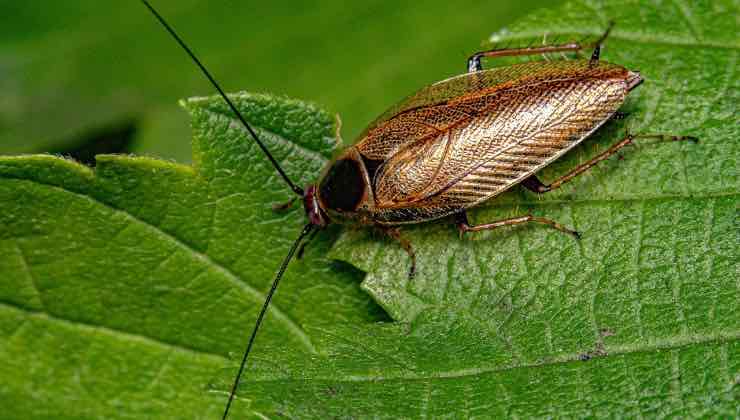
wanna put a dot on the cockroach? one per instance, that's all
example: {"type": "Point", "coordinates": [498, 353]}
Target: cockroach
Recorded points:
{"type": "Point", "coordinates": [456, 144]}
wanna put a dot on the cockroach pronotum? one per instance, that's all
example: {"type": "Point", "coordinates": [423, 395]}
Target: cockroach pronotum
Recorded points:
{"type": "Point", "coordinates": [458, 143]}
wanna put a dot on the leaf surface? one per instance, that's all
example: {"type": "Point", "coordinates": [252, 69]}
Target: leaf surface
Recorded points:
{"type": "Point", "coordinates": [153, 268]}
{"type": "Point", "coordinates": [124, 291]}
{"type": "Point", "coordinates": [652, 286]}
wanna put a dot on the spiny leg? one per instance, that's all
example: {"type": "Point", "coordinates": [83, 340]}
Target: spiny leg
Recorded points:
{"type": "Point", "coordinates": [474, 63]}
{"type": "Point", "coordinates": [534, 184]}
{"type": "Point", "coordinates": [395, 233]}
{"type": "Point", "coordinates": [464, 226]}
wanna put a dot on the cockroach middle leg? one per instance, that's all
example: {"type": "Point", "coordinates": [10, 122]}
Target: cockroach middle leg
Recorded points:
{"type": "Point", "coordinates": [395, 233]}
{"type": "Point", "coordinates": [534, 184]}
{"type": "Point", "coordinates": [474, 63]}
{"type": "Point", "coordinates": [464, 226]}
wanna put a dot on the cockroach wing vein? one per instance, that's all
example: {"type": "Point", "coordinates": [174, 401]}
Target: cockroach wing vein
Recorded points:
{"type": "Point", "coordinates": [481, 144]}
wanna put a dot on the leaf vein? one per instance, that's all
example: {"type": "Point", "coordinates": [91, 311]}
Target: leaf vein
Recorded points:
{"type": "Point", "coordinates": [291, 325]}
{"type": "Point", "coordinates": [31, 278]}
{"type": "Point", "coordinates": [108, 330]}
{"type": "Point", "coordinates": [690, 24]}
{"type": "Point", "coordinates": [657, 346]}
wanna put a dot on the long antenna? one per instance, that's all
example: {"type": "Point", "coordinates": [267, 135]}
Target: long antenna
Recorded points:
{"type": "Point", "coordinates": [296, 189]}
{"type": "Point", "coordinates": [306, 230]}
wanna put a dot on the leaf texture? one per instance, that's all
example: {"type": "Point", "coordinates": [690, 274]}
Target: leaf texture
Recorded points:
{"type": "Point", "coordinates": [125, 290]}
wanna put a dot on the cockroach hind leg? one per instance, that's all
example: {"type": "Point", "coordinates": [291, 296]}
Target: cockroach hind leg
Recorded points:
{"type": "Point", "coordinates": [395, 234]}
{"type": "Point", "coordinates": [535, 185]}
{"type": "Point", "coordinates": [619, 115]}
{"type": "Point", "coordinates": [666, 137]}
{"type": "Point", "coordinates": [461, 222]}
{"type": "Point", "coordinates": [464, 226]}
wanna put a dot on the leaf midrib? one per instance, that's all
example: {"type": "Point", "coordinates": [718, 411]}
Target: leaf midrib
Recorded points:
{"type": "Point", "coordinates": [654, 346]}
{"type": "Point", "coordinates": [127, 335]}
{"type": "Point", "coordinates": [236, 125]}
{"type": "Point", "coordinates": [672, 343]}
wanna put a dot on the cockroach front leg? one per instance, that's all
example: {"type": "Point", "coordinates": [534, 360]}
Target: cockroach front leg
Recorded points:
{"type": "Point", "coordinates": [534, 184]}
{"type": "Point", "coordinates": [474, 63]}
{"type": "Point", "coordinates": [464, 226]}
{"type": "Point", "coordinates": [280, 207]}
{"type": "Point", "coordinates": [395, 233]}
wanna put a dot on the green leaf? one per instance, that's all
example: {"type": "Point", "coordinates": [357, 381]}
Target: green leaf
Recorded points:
{"type": "Point", "coordinates": [139, 279]}
{"type": "Point", "coordinates": [690, 88]}
{"type": "Point", "coordinates": [652, 284]}
{"type": "Point", "coordinates": [123, 291]}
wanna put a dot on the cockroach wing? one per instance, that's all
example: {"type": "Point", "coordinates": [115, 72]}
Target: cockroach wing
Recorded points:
{"type": "Point", "coordinates": [425, 113]}
{"type": "Point", "coordinates": [487, 131]}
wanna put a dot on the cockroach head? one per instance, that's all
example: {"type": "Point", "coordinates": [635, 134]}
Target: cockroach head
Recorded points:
{"type": "Point", "coordinates": [311, 205]}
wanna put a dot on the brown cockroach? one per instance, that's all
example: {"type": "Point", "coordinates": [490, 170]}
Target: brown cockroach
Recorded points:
{"type": "Point", "coordinates": [458, 143]}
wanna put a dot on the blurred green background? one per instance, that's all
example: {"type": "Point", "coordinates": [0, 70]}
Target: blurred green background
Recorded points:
{"type": "Point", "coordinates": [82, 77]}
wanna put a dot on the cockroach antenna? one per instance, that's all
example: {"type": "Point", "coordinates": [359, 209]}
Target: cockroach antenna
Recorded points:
{"type": "Point", "coordinates": [299, 191]}
{"type": "Point", "coordinates": [296, 189]}
{"type": "Point", "coordinates": [306, 230]}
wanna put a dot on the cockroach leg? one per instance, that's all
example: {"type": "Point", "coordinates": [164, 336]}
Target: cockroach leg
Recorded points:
{"type": "Point", "coordinates": [474, 63]}
{"type": "Point", "coordinates": [278, 207]}
{"type": "Point", "coordinates": [595, 56]}
{"type": "Point", "coordinates": [619, 115]}
{"type": "Point", "coordinates": [395, 233]}
{"type": "Point", "coordinates": [666, 137]}
{"type": "Point", "coordinates": [299, 254]}
{"type": "Point", "coordinates": [603, 36]}
{"type": "Point", "coordinates": [534, 184]}
{"type": "Point", "coordinates": [461, 220]}
{"type": "Point", "coordinates": [597, 49]}
{"type": "Point", "coordinates": [463, 225]}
